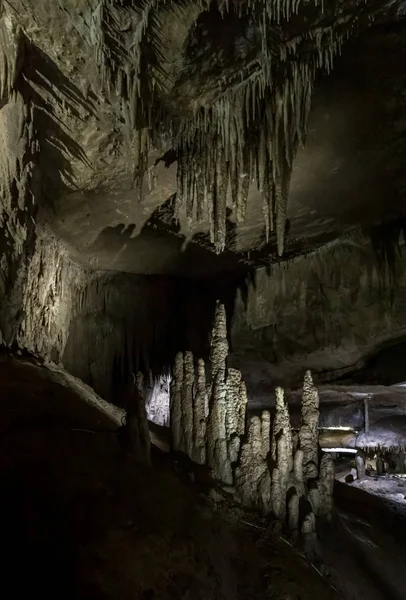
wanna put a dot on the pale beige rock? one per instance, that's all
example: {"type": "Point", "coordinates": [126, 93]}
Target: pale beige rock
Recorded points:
{"type": "Point", "coordinates": [200, 412]}
{"type": "Point", "coordinates": [326, 485]}
{"type": "Point", "coordinates": [309, 430]}
{"type": "Point", "coordinates": [217, 451]}
{"type": "Point", "coordinates": [219, 342]}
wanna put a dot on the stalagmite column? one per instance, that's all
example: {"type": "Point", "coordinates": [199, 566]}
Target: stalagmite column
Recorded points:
{"type": "Point", "coordinates": [326, 485]}
{"type": "Point", "coordinates": [242, 392]}
{"type": "Point", "coordinates": [187, 403]}
{"type": "Point", "coordinates": [298, 466]}
{"type": "Point", "coordinates": [278, 498]}
{"type": "Point", "coordinates": [200, 413]}
{"type": "Point", "coordinates": [360, 466]}
{"type": "Point", "coordinates": [309, 430]}
{"type": "Point", "coordinates": [219, 343]}
{"type": "Point", "coordinates": [233, 402]}
{"type": "Point", "coordinates": [266, 433]}
{"type": "Point", "coordinates": [293, 515]}
{"type": "Point", "coordinates": [176, 403]}
{"type": "Point", "coordinates": [217, 450]}
{"type": "Point", "coordinates": [281, 425]}
{"type": "Point", "coordinates": [309, 535]}
{"type": "Point", "coordinates": [252, 477]}
{"type": "Point", "coordinates": [314, 498]}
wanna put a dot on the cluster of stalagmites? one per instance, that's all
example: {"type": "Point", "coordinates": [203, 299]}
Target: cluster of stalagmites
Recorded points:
{"type": "Point", "coordinates": [268, 465]}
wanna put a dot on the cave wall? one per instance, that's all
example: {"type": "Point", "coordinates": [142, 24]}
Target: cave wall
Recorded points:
{"type": "Point", "coordinates": [325, 310]}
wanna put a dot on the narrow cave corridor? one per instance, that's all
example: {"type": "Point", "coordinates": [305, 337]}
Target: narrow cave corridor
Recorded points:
{"type": "Point", "coordinates": [203, 299]}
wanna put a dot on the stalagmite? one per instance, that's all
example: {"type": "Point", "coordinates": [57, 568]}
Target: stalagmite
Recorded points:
{"type": "Point", "coordinates": [298, 466]}
{"type": "Point", "coordinates": [293, 515]}
{"type": "Point", "coordinates": [326, 485]}
{"type": "Point", "coordinates": [314, 499]}
{"type": "Point", "coordinates": [200, 412]}
{"type": "Point", "coordinates": [309, 535]}
{"type": "Point", "coordinates": [360, 466]}
{"type": "Point", "coordinates": [278, 498]}
{"type": "Point", "coordinates": [217, 450]}
{"type": "Point", "coordinates": [233, 413]}
{"type": "Point", "coordinates": [252, 477]}
{"type": "Point", "coordinates": [242, 408]}
{"type": "Point", "coordinates": [309, 429]}
{"type": "Point", "coordinates": [219, 343]}
{"type": "Point", "coordinates": [266, 433]}
{"type": "Point", "coordinates": [187, 404]}
{"type": "Point", "coordinates": [281, 425]}
{"type": "Point", "coordinates": [176, 403]}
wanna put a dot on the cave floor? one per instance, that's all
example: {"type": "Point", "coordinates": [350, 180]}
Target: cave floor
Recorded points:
{"type": "Point", "coordinates": [82, 520]}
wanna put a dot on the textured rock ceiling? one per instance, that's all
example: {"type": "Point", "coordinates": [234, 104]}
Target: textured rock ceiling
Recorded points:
{"type": "Point", "coordinates": [181, 138]}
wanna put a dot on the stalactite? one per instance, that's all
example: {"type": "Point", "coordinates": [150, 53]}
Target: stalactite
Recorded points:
{"type": "Point", "coordinates": [251, 130]}
{"type": "Point", "coordinates": [309, 429]}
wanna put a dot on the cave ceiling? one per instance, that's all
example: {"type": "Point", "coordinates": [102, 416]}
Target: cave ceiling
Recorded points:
{"type": "Point", "coordinates": [188, 138]}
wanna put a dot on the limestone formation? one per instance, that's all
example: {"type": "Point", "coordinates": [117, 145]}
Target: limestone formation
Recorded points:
{"type": "Point", "coordinates": [309, 535]}
{"type": "Point", "coordinates": [252, 477]}
{"type": "Point", "coordinates": [233, 404]}
{"type": "Point", "coordinates": [309, 429]}
{"type": "Point", "coordinates": [200, 413]}
{"type": "Point", "coordinates": [281, 425]}
{"type": "Point", "coordinates": [176, 403]}
{"type": "Point", "coordinates": [219, 343]}
{"type": "Point", "coordinates": [326, 485]}
{"type": "Point", "coordinates": [217, 449]}
{"type": "Point", "coordinates": [293, 515]}
{"type": "Point", "coordinates": [360, 466]}
{"type": "Point", "coordinates": [214, 431]}
{"type": "Point", "coordinates": [187, 404]}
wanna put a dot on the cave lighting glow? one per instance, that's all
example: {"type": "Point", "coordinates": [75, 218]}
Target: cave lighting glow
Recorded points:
{"type": "Point", "coordinates": [338, 428]}
{"type": "Point", "coordinates": [346, 450]}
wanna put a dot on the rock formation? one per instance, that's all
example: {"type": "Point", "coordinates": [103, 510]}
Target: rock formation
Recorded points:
{"type": "Point", "coordinates": [309, 430]}
{"type": "Point", "coordinates": [255, 455]}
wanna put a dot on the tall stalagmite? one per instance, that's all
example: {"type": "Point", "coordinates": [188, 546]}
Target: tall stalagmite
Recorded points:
{"type": "Point", "coordinates": [200, 412]}
{"type": "Point", "coordinates": [326, 485]}
{"type": "Point", "coordinates": [309, 429]}
{"type": "Point", "coordinates": [218, 343]}
{"type": "Point", "coordinates": [176, 403]}
{"type": "Point", "coordinates": [217, 450]}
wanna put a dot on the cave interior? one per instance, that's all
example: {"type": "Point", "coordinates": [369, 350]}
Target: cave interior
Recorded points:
{"type": "Point", "coordinates": [203, 299]}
